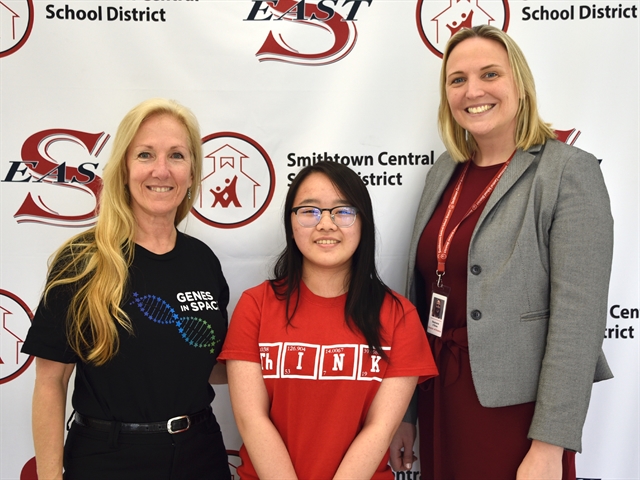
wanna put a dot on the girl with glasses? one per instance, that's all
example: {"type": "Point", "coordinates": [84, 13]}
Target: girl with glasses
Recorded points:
{"type": "Point", "coordinates": [323, 359]}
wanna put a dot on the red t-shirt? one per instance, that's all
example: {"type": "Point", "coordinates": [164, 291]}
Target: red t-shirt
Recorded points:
{"type": "Point", "coordinates": [320, 375]}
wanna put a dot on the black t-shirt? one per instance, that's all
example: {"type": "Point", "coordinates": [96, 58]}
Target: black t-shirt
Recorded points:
{"type": "Point", "coordinates": [177, 303]}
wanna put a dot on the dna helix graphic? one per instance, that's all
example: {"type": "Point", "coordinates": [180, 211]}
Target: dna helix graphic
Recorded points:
{"type": "Point", "coordinates": [193, 330]}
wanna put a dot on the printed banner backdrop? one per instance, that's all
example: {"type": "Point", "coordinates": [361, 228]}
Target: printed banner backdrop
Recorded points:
{"type": "Point", "coordinates": [275, 86]}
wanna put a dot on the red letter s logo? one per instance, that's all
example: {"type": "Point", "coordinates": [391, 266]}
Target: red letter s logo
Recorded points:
{"type": "Point", "coordinates": [321, 16]}
{"type": "Point", "coordinates": [37, 157]}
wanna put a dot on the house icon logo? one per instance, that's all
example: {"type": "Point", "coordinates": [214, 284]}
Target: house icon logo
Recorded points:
{"type": "Point", "coordinates": [238, 181]}
{"type": "Point", "coordinates": [16, 23]}
{"type": "Point", "coordinates": [15, 320]}
{"type": "Point", "coordinates": [438, 21]}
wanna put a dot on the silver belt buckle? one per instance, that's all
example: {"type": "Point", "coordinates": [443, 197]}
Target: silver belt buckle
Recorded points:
{"type": "Point", "coordinates": [171, 420]}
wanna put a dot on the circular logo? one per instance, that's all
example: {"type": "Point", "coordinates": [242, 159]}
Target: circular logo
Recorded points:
{"type": "Point", "coordinates": [15, 320]}
{"type": "Point", "coordinates": [29, 471]}
{"type": "Point", "coordinates": [238, 181]}
{"type": "Point", "coordinates": [438, 20]}
{"type": "Point", "coordinates": [16, 22]}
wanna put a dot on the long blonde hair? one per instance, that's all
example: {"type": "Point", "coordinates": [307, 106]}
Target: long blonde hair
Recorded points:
{"type": "Point", "coordinates": [530, 128]}
{"type": "Point", "coordinates": [96, 262]}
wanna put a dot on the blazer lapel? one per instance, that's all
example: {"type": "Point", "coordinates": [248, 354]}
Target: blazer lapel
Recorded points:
{"type": "Point", "coordinates": [521, 161]}
{"type": "Point", "coordinates": [437, 180]}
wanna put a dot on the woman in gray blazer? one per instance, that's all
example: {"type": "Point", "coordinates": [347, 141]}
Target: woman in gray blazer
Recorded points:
{"type": "Point", "coordinates": [512, 249]}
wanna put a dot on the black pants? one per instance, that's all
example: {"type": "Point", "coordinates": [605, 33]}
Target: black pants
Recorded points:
{"type": "Point", "coordinates": [197, 454]}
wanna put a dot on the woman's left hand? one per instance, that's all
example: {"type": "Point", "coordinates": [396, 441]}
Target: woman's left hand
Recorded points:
{"type": "Point", "coordinates": [543, 461]}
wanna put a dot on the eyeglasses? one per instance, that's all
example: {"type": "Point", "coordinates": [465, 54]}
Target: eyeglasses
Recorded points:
{"type": "Point", "coordinates": [310, 216]}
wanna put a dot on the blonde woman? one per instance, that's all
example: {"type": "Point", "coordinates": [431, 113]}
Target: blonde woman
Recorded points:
{"type": "Point", "coordinates": [514, 238]}
{"type": "Point", "coordinates": [138, 309]}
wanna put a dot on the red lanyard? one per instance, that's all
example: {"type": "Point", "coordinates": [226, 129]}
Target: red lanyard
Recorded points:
{"type": "Point", "coordinates": [443, 247]}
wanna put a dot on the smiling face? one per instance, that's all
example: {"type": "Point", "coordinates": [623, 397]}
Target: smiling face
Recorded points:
{"type": "Point", "coordinates": [481, 91]}
{"type": "Point", "coordinates": [326, 246]}
{"type": "Point", "coordinates": [159, 166]}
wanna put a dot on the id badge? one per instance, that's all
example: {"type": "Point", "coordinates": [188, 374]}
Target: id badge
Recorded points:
{"type": "Point", "coordinates": [437, 309]}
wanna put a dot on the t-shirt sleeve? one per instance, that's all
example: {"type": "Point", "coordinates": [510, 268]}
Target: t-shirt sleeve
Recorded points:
{"type": "Point", "coordinates": [241, 342]}
{"type": "Point", "coordinates": [203, 251]}
{"type": "Point", "coordinates": [223, 301]}
{"type": "Point", "coordinates": [47, 336]}
{"type": "Point", "coordinates": [410, 351]}
{"type": "Point", "coordinates": [223, 287]}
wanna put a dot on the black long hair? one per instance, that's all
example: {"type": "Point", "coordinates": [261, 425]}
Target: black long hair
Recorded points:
{"type": "Point", "coordinates": [366, 291]}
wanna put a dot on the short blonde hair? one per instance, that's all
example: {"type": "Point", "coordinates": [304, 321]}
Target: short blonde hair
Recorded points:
{"type": "Point", "coordinates": [530, 128]}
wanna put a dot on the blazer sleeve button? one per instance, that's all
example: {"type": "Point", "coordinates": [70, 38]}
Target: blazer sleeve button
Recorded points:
{"type": "Point", "coordinates": [476, 314]}
{"type": "Point", "coordinates": [476, 269]}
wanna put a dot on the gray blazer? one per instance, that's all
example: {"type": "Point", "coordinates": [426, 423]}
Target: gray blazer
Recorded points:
{"type": "Point", "coordinates": [537, 304]}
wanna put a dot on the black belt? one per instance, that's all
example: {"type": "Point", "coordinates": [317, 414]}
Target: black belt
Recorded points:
{"type": "Point", "coordinates": [173, 425]}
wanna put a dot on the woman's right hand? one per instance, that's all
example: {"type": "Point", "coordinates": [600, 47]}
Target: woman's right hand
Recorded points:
{"type": "Point", "coordinates": [48, 415]}
{"type": "Point", "coordinates": [542, 462]}
{"type": "Point", "coordinates": [401, 453]}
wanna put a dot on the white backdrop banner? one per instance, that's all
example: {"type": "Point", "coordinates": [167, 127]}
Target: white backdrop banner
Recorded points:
{"type": "Point", "coordinates": [277, 85]}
